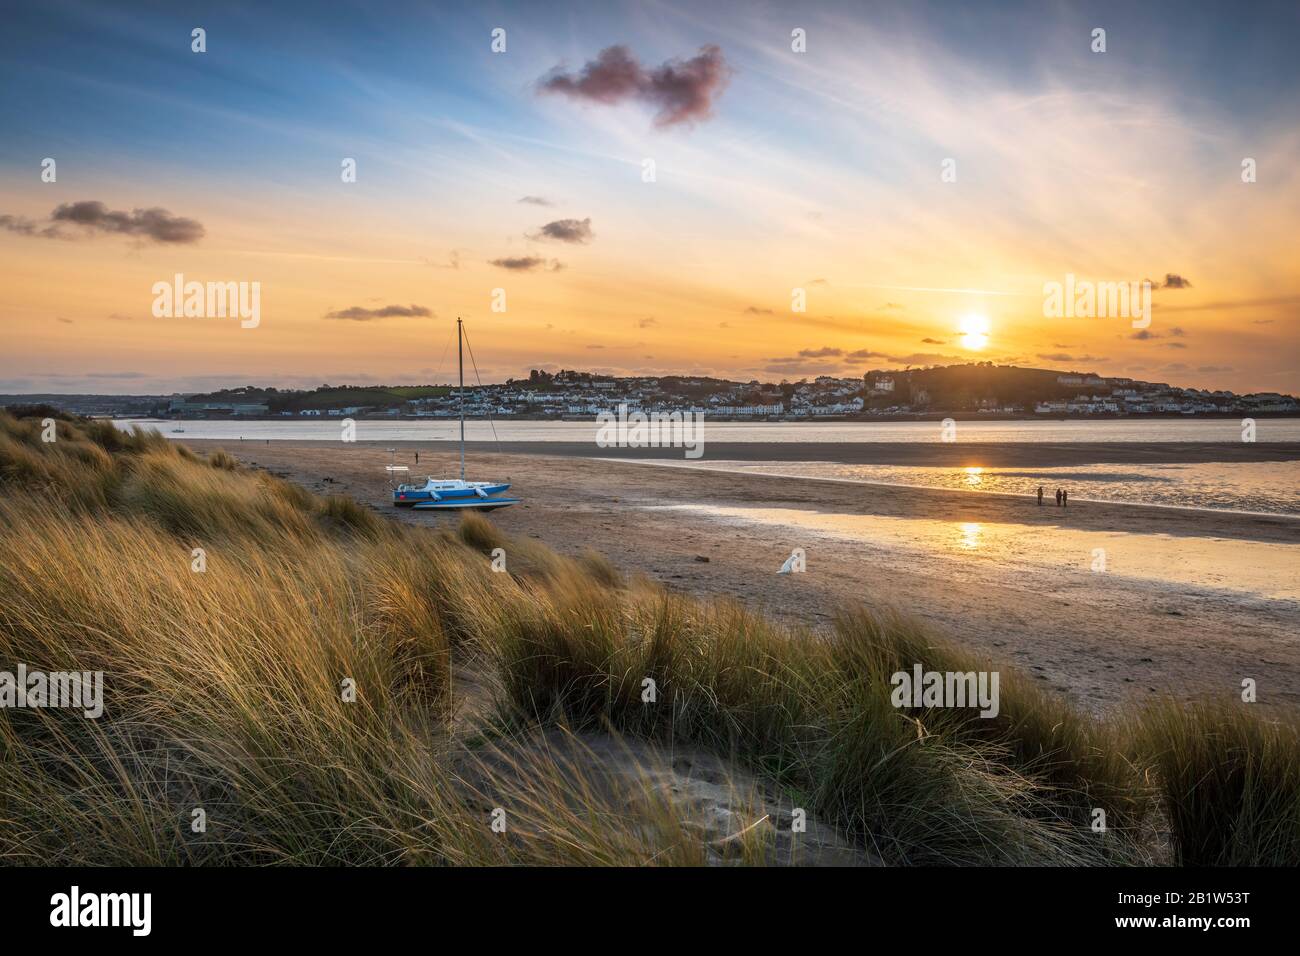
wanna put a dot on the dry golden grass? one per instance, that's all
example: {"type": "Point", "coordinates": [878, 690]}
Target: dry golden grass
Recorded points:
{"type": "Point", "coordinates": [231, 612]}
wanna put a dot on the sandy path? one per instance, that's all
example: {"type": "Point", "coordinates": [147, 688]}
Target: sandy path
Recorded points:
{"type": "Point", "coordinates": [1101, 639]}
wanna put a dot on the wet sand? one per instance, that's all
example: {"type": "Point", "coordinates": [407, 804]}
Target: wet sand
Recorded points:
{"type": "Point", "coordinates": [1190, 604]}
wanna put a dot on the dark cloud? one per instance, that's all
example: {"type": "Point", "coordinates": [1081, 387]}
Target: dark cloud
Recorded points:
{"type": "Point", "coordinates": [91, 216]}
{"type": "Point", "coordinates": [755, 310]}
{"type": "Point", "coordinates": [358, 314]}
{"type": "Point", "coordinates": [1174, 281]}
{"type": "Point", "coordinates": [1144, 334]}
{"type": "Point", "coordinates": [576, 231]}
{"type": "Point", "coordinates": [682, 91]}
{"type": "Point", "coordinates": [154, 224]}
{"type": "Point", "coordinates": [22, 226]}
{"type": "Point", "coordinates": [930, 341]}
{"type": "Point", "coordinates": [536, 201]}
{"type": "Point", "coordinates": [527, 264]}
{"type": "Point", "coordinates": [1063, 357]}
{"type": "Point", "coordinates": [824, 352]}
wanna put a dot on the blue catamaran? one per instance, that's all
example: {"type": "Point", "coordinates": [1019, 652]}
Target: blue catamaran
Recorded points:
{"type": "Point", "coordinates": [453, 494]}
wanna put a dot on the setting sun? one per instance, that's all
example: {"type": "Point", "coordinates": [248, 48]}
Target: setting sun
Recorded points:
{"type": "Point", "coordinates": [974, 331]}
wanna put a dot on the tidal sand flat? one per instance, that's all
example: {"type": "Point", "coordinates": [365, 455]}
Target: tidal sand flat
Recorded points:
{"type": "Point", "coordinates": [1190, 601]}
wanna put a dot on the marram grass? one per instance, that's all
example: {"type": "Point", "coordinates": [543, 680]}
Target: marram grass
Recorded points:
{"type": "Point", "coordinates": [231, 611]}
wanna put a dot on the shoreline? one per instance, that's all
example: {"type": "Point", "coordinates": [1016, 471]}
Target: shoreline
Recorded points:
{"type": "Point", "coordinates": [1001, 494]}
{"type": "Point", "coordinates": [939, 454]}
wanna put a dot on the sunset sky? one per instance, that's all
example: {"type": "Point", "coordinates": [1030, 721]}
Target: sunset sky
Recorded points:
{"type": "Point", "coordinates": [523, 171]}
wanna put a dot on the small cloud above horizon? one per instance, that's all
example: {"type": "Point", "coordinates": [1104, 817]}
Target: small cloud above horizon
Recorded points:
{"type": "Point", "coordinates": [573, 231]}
{"type": "Point", "coordinates": [1064, 357]}
{"type": "Point", "coordinates": [91, 217]}
{"type": "Point", "coordinates": [527, 264]}
{"type": "Point", "coordinates": [359, 314]}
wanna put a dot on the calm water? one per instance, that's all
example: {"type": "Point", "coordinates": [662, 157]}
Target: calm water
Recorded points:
{"type": "Point", "coordinates": [1163, 430]}
{"type": "Point", "coordinates": [1263, 487]}
{"type": "Point", "coordinates": [1259, 487]}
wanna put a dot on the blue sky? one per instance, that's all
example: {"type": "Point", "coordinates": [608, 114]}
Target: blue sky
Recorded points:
{"type": "Point", "coordinates": [819, 168]}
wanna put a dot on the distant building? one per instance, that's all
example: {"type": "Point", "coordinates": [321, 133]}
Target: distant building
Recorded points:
{"type": "Point", "coordinates": [208, 408]}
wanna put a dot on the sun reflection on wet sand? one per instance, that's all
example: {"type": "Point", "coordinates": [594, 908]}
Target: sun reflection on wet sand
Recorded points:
{"type": "Point", "coordinates": [1251, 567]}
{"type": "Point", "coordinates": [970, 535]}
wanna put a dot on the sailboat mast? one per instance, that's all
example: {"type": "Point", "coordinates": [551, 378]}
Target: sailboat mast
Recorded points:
{"type": "Point", "coordinates": [460, 361]}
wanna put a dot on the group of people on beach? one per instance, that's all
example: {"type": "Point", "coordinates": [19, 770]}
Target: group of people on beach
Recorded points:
{"type": "Point", "coordinates": [1062, 497]}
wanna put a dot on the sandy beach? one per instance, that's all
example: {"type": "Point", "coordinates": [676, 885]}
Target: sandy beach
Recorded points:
{"type": "Point", "coordinates": [1000, 575]}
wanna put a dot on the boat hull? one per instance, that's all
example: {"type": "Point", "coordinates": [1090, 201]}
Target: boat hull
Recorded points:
{"type": "Point", "coordinates": [465, 504]}
{"type": "Point", "coordinates": [410, 497]}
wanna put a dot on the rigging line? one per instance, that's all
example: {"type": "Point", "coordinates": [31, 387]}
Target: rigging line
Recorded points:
{"type": "Point", "coordinates": [445, 347]}
{"type": "Point", "coordinates": [480, 385]}
{"type": "Point", "coordinates": [436, 371]}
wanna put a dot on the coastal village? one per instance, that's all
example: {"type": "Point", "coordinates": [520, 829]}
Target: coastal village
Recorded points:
{"type": "Point", "coordinates": [979, 390]}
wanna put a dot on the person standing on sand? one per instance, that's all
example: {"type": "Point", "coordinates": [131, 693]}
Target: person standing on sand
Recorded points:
{"type": "Point", "coordinates": [417, 457]}
{"type": "Point", "coordinates": [1065, 498]}
{"type": "Point", "coordinates": [1058, 497]}
{"type": "Point", "coordinates": [1040, 496]}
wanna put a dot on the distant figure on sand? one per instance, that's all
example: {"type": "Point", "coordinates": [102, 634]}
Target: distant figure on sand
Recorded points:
{"type": "Point", "coordinates": [417, 457]}
{"type": "Point", "coordinates": [1058, 497]}
{"type": "Point", "coordinates": [1040, 496]}
{"type": "Point", "coordinates": [1065, 498]}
